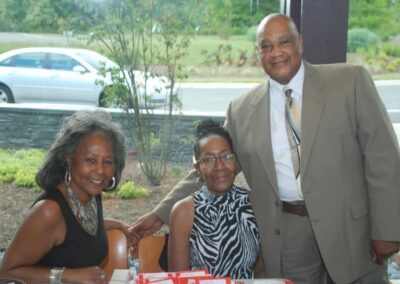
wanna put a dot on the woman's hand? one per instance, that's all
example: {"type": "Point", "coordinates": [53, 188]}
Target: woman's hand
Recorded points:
{"type": "Point", "coordinates": [87, 275]}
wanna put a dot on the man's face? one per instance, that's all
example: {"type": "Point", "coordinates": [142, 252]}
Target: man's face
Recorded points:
{"type": "Point", "coordinates": [280, 49]}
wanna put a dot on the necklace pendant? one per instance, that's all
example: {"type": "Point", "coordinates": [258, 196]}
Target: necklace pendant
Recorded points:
{"type": "Point", "coordinates": [86, 215]}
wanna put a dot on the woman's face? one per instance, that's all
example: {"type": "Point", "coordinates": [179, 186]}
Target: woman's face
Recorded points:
{"type": "Point", "coordinates": [216, 164]}
{"type": "Point", "coordinates": [92, 165]}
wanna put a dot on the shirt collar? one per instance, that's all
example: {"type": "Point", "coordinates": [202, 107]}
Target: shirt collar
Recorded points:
{"type": "Point", "coordinates": [296, 84]}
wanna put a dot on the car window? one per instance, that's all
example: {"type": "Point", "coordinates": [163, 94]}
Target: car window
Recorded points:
{"type": "Point", "coordinates": [26, 60]}
{"type": "Point", "coordinates": [63, 62]}
{"type": "Point", "coordinates": [96, 60]}
{"type": "Point", "coordinates": [7, 62]}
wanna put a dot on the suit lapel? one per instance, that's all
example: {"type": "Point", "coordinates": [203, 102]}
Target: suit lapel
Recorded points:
{"type": "Point", "coordinates": [313, 103]}
{"type": "Point", "coordinates": [260, 130]}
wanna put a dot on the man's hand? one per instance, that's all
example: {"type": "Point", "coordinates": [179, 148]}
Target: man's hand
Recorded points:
{"type": "Point", "coordinates": [146, 225]}
{"type": "Point", "coordinates": [381, 250]}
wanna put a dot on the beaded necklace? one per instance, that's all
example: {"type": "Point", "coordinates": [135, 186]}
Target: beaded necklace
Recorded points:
{"type": "Point", "coordinates": [87, 215]}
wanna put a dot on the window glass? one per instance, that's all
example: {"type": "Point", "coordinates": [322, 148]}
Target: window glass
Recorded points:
{"type": "Point", "coordinates": [7, 62]}
{"type": "Point", "coordinates": [28, 60]}
{"type": "Point", "coordinates": [95, 59]}
{"type": "Point", "coordinates": [63, 62]}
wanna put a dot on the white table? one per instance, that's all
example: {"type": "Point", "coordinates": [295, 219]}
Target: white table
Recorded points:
{"type": "Point", "coordinates": [122, 276]}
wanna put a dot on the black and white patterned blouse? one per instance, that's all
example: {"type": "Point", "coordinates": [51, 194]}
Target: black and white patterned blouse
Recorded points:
{"type": "Point", "coordinates": [224, 237]}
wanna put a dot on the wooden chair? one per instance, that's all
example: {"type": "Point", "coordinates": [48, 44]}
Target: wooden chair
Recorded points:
{"type": "Point", "coordinates": [151, 248]}
{"type": "Point", "coordinates": [117, 257]}
{"type": "Point", "coordinates": [11, 281]}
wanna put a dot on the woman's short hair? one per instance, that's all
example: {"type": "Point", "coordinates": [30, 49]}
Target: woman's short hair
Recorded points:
{"type": "Point", "coordinates": [207, 128]}
{"type": "Point", "coordinates": [73, 129]}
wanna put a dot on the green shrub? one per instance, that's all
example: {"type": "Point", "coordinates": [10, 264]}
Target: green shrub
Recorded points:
{"type": "Point", "coordinates": [25, 178]}
{"type": "Point", "coordinates": [129, 191]}
{"type": "Point", "coordinates": [20, 166]}
{"type": "Point", "coordinates": [7, 172]}
{"type": "Point", "coordinates": [251, 34]}
{"type": "Point", "coordinates": [360, 38]}
{"type": "Point", "coordinates": [391, 67]}
{"type": "Point", "coordinates": [176, 170]}
{"type": "Point", "coordinates": [107, 194]}
{"type": "Point", "coordinates": [391, 49]}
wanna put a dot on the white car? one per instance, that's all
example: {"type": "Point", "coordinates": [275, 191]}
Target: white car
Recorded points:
{"type": "Point", "coordinates": [67, 76]}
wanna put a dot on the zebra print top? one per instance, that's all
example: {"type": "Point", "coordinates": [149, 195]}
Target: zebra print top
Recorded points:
{"type": "Point", "coordinates": [224, 237]}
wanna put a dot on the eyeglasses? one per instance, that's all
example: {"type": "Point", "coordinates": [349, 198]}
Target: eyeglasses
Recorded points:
{"type": "Point", "coordinates": [211, 160]}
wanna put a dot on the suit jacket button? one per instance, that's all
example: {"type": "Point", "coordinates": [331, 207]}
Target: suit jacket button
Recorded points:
{"type": "Point", "coordinates": [277, 232]}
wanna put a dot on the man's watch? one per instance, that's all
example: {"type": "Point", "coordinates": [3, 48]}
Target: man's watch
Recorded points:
{"type": "Point", "coordinates": [56, 275]}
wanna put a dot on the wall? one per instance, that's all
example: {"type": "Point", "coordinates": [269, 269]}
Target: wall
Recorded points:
{"type": "Point", "coordinates": [35, 126]}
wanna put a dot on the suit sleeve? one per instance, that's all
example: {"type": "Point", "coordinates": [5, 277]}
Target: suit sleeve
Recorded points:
{"type": "Point", "coordinates": [380, 148]}
{"type": "Point", "coordinates": [184, 188]}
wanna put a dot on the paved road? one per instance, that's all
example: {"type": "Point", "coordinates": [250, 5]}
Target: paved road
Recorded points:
{"type": "Point", "coordinates": [36, 38]}
{"type": "Point", "coordinates": [213, 97]}
{"type": "Point", "coordinates": [199, 97]}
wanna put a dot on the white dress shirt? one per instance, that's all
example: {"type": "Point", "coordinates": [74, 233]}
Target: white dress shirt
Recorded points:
{"type": "Point", "coordinates": [289, 186]}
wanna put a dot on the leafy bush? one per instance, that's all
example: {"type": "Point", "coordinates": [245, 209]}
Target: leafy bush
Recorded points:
{"type": "Point", "coordinates": [25, 178]}
{"type": "Point", "coordinates": [7, 167]}
{"type": "Point", "coordinates": [393, 65]}
{"type": "Point", "coordinates": [19, 167]}
{"type": "Point", "coordinates": [251, 34]}
{"type": "Point", "coordinates": [391, 49]}
{"type": "Point", "coordinates": [7, 173]}
{"type": "Point", "coordinates": [107, 194]}
{"type": "Point", "coordinates": [176, 170]}
{"type": "Point", "coordinates": [360, 38]}
{"type": "Point", "coordinates": [129, 191]}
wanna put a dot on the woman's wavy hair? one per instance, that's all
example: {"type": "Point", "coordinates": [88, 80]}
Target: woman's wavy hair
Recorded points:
{"type": "Point", "coordinates": [73, 129]}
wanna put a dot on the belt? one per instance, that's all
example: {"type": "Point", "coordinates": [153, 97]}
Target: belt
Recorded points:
{"type": "Point", "coordinates": [296, 208]}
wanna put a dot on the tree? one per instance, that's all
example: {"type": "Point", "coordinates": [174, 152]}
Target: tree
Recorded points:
{"type": "Point", "coordinates": [47, 15]}
{"type": "Point", "coordinates": [226, 17]}
{"type": "Point", "coordinates": [76, 15]}
{"type": "Point", "coordinates": [41, 17]}
{"type": "Point", "coordinates": [152, 36]}
{"type": "Point", "coordinates": [379, 16]}
{"type": "Point", "coordinates": [15, 12]}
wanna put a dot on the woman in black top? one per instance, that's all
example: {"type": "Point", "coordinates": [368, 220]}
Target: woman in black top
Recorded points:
{"type": "Point", "coordinates": [63, 238]}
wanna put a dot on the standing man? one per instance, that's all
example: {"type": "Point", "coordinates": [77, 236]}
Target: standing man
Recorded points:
{"type": "Point", "coordinates": [325, 181]}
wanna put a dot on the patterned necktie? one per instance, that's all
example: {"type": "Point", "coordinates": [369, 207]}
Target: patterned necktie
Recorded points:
{"type": "Point", "coordinates": [293, 122]}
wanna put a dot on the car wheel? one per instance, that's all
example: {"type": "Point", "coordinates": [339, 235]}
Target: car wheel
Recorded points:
{"type": "Point", "coordinates": [5, 94]}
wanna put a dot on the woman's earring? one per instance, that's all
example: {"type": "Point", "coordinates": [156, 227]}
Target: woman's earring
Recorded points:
{"type": "Point", "coordinates": [112, 185]}
{"type": "Point", "coordinates": [199, 179]}
{"type": "Point", "coordinates": [67, 177]}
{"type": "Point", "coordinates": [238, 168]}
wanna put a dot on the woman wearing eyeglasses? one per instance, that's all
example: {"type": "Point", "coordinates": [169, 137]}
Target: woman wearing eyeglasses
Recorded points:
{"type": "Point", "coordinates": [215, 228]}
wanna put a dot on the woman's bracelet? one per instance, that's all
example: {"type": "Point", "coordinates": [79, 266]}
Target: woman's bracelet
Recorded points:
{"type": "Point", "coordinates": [56, 275]}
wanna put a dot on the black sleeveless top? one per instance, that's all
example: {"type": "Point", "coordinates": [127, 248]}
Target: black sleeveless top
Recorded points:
{"type": "Point", "coordinates": [79, 248]}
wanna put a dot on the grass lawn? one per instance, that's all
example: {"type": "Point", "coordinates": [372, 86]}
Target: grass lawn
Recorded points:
{"type": "Point", "coordinates": [201, 61]}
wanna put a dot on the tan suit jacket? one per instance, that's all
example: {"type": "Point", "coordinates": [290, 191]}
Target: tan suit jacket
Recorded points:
{"type": "Point", "coordinates": [350, 168]}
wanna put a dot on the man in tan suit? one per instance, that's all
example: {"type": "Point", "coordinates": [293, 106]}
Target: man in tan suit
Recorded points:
{"type": "Point", "coordinates": [337, 219]}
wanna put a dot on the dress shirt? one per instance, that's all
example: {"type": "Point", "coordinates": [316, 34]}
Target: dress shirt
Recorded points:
{"type": "Point", "coordinates": [289, 187]}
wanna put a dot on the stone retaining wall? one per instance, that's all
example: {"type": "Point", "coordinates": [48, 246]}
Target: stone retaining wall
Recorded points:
{"type": "Point", "coordinates": [35, 126]}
